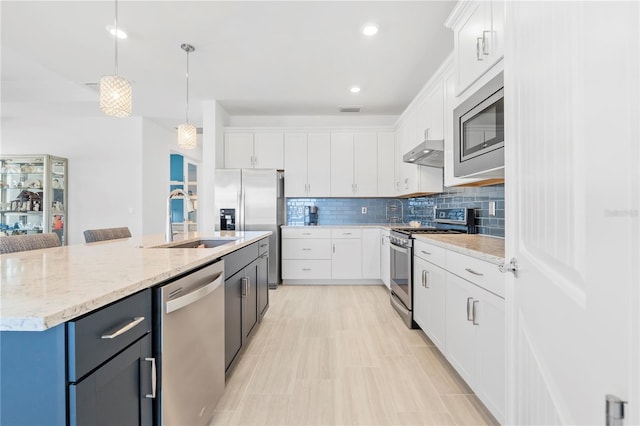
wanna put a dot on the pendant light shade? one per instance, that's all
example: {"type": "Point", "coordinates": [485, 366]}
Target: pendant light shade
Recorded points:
{"type": "Point", "coordinates": [187, 136]}
{"type": "Point", "coordinates": [187, 133]}
{"type": "Point", "coordinates": [115, 91]}
{"type": "Point", "coordinates": [115, 96]}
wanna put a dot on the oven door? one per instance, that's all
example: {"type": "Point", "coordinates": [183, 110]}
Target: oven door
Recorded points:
{"type": "Point", "coordinates": [400, 269]}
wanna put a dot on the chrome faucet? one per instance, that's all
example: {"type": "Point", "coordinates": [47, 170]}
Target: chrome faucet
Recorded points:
{"type": "Point", "coordinates": [168, 234]}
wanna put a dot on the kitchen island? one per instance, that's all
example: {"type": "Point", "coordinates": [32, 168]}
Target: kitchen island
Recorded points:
{"type": "Point", "coordinates": [80, 328]}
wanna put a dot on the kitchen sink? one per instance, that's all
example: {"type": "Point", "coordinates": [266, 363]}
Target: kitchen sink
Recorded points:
{"type": "Point", "coordinates": [210, 243]}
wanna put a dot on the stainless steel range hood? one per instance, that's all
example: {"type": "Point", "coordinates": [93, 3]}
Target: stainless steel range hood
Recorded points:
{"type": "Point", "coordinates": [428, 153]}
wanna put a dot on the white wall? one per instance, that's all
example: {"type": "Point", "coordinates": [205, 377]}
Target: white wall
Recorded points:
{"type": "Point", "coordinates": [105, 166]}
{"type": "Point", "coordinates": [156, 147]}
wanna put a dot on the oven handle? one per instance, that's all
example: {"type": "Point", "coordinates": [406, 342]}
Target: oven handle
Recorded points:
{"type": "Point", "coordinates": [400, 248]}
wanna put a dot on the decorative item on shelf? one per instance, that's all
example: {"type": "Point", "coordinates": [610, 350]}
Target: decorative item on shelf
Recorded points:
{"type": "Point", "coordinates": [187, 132]}
{"type": "Point", "coordinates": [115, 91]}
{"type": "Point", "coordinates": [56, 184]}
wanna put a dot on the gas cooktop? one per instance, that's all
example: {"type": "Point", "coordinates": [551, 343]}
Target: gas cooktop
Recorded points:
{"type": "Point", "coordinates": [410, 231]}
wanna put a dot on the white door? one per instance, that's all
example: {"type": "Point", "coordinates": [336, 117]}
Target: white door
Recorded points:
{"type": "Point", "coordinates": [572, 192]}
{"type": "Point", "coordinates": [346, 260]}
{"type": "Point", "coordinates": [295, 165]}
{"type": "Point", "coordinates": [268, 150]}
{"type": "Point", "coordinates": [342, 165]}
{"type": "Point", "coordinates": [365, 164]}
{"type": "Point", "coordinates": [319, 165]}
{"type": "Point", "coordinates": [238, 150]}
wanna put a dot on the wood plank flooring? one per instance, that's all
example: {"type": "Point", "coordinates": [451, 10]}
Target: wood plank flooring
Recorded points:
{"type": "Point", "coordinates": [340, 355]}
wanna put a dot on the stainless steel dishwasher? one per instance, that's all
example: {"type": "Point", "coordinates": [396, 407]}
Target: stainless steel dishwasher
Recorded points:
{"type": "Point", "coordinates": [189, 345]}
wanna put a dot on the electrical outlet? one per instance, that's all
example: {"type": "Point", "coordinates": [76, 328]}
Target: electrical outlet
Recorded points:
{"type": "Point", "coordinates": [364, 210]}
{"type": "Point", "coordinates": [492, 208]}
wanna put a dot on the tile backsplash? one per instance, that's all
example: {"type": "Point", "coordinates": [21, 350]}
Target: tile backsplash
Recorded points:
{"type": "Point", "coordinates": [340, 211]}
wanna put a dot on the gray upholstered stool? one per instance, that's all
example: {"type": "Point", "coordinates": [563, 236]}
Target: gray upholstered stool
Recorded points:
{"type": "Point", "coordinates": [14, 243]}
{"type": "Point", "coordinates": [93, 235]}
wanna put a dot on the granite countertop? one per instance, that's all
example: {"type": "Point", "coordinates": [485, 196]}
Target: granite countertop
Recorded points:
{"type": "Point", "coordinates": [40, 289]}
{"type": "Point", "coordinates": [482, 247]}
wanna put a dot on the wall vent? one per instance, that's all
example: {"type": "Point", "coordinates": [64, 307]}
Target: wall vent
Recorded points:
{"type": "Point", "coordinates": [350, 108]}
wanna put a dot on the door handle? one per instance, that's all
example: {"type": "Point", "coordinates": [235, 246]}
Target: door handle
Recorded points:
{"type": "Point", "coordinates": [478, 56]}
{"type": "Point", "coordinates": [426, 279]}
{"type": "Point", "coordinates": [244, 286]}
{"type": "Point", "coordinates": [485, 51]}
{"type": "Point", "coordinates": [475, 312]}
{"type": "Point", "coordinates": [154, 376]}
{"type": "Point", "coordinates": [123, 329]}
{"type": "Point", "coordinates": [469, 309]}
{"type": "Point", "coordinates": [334, 248]}
{"type": "Point", "coordinates": [425, 252]}
{"type": "Point", "coordinates": [471, 271]}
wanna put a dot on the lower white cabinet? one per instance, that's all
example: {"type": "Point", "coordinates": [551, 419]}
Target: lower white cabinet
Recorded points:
{"type": "Point", "coordinates": [475, 340]}
{"type": "Point", "coordinates": [429, 295]}
{"type": "Point", "coordinates": [371, 253]}
{"type": "Point", "coordinates": [385, 257]}
{"type": "Point", "coordinates": [346, 255]}
{"type": "Point", "coordinates": [306, 253]}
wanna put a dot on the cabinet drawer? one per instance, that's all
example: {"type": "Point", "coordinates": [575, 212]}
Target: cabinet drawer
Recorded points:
{"type": "Point", "coordinates": [429, 252]}
{"type": "Point", "coordinates": [88, 349]}
{"type": "Point", "coordinates": [346, 233]}
{"type": "Point", "coordinates": [306, 232]}
{"type": "Point", "coordinates": [479, 272]}
{"type": "Point", "coordinates": [263, 246]}
{"type": "Point", "coordinates": [306, 249]}
{"type": "Point", "coordinates": [306, 269]}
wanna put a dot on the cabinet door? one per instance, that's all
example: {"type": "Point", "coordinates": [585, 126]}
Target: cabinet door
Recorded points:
{"type": "Point", "coordinates": [238, 150]}
{"type": "Point", "coordinates": [342, 183]}
{"type": "Point", "coordinates": [268, 150]}
{"type": "Point", "coordinates": [365, 164]}
{"type": "Point", "coordinates": [435, 285]}
{"type": "Point", "coordinates": [250, 300]}
{"type": "Point", "coordinates": [470, 60]}
{"type": "Point", "coordinates": [496, 39]}
{"type": "Point", "coordinates": [385, 257]}
{"type": "Point", "coordinates": [371, 253]}
{"type": "Point", "coordinates": [386, 164]}
{"type": "Point", "coordinates": [346, 260]}
{"type": "Point", "coordinates": [434, 110]}
{"type": "Point", "coordinates": [233, 290]}
{"type": "Point", "coordinates": [420, 307]}
{"type": "Point", "coordinates": [295, 164]}
{"type": "Point", "coordinates": [319, 164]}
{"type": "Point", "coordinates": [263, 284]}
{"type": "Point", "coordinates": [461, 341]}
{"type": "Point", "coordinates": [491, 383]}
{"type": "Point", "coordinates": [115, 393]}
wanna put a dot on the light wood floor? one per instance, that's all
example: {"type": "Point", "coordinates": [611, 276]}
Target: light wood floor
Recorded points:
{"type": "Point", "coordinates": [340, 355]}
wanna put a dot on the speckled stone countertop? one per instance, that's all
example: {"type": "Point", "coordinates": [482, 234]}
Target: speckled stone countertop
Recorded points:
{"type": "Point", "coordinates": [40, 289]}
{"type": "Point", "coordinates": [482, 247]}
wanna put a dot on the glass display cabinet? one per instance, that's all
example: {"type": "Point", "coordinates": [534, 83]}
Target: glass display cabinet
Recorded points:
{"type": "Point", "coordinates": [33, 195]}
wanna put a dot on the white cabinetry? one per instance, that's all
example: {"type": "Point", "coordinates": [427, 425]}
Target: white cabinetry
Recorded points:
{"type": "Point", "coordinates": [478, 34]}
{"type": "Point", "coordinates": [307, 165]}
{"type": "Point", "coordinates": [385, 257]}
{"type": "Point", "coordinates": [429, 291]}
{"type": "Point", "coordinates": [306, 253]}
{"type": "Point", "coordinates": [475, 341]}
{"type": "Point", "coordinates": [371, 253]}
{"type": "Point", "coordinates": [354, 161]}
{"type": "Point", "coordinates": [264, 150]}
{"type": "Point", "coordinates": [346, 258]}
{"type": "Point", "coordinates": [386, 164]}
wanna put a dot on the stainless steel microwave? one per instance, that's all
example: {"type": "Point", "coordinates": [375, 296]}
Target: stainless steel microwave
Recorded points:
{"type": "Point", "coordinates": [478, 132]}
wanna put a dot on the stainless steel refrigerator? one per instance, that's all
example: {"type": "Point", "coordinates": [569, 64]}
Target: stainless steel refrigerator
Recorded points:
{"type": "Point", "coordinates": [255, 197]}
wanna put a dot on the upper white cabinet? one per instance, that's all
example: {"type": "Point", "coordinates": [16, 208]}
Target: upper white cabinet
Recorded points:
{"type": "Point", "coordinates": [386, 164]}
{"type": "Point", "coordinates": [307, 164]}
{"type": "Point", "coordinates": [478, 31]}
{"type": "Point", "coordinates": [263, 150]}
{"type": "Point", "coordinates": [354, 162]}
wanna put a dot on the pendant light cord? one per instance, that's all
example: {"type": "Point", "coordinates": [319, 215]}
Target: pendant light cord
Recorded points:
{"type": "Point", "coordinates": [187, 114]}
{"type": "Point", "coordinates": [116, 36]}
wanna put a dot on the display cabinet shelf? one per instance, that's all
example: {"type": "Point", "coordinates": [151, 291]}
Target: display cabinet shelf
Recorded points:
{"type": "Point", "coordinates": [33, 195]}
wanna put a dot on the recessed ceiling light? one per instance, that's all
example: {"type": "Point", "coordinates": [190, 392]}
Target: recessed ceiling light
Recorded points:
{"type": "Point", "coordinates": [120, 34]}
{"type": "Point", "coordinates": [426, 151]}
{"type": "Point", "coordinates": [354, 89]}
{"type": "Point", "coordinates": [370, 29]}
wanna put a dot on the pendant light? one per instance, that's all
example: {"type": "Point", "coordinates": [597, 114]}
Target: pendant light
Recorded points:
{"type": "Point", "coordinates": [115, 91]}
{"type": "Point", "coordinates": [187, 133]}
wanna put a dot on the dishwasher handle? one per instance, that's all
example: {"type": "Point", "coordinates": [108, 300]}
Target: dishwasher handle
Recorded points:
{"type": "Point", "coordinates": [194, 296]}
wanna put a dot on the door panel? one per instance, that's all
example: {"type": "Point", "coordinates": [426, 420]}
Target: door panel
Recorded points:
{"type": "Point", "coordinates": [232, 317]}
{"type": "Point", "coordinates": [319, 163]}
{"type": "Point", "coordinates": [572, 204]}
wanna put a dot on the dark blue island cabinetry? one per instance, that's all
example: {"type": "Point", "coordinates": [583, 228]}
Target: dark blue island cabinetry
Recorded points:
{"type": "Point", "coordinates": [96, 369]}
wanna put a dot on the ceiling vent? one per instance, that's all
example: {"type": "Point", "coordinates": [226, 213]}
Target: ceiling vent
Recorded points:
{"type": "Point", "coordinates": [350, 108]}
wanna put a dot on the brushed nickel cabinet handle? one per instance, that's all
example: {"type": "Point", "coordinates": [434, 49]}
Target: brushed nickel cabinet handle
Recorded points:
{"type": "Point", "coordinates": [475, 312]}
{"type": "Point", "coordinates": [154, 377]}
{"type": "Point", "coordinates": [128, 326]}
{"type": "Point", "coordinates": [469, 309]}
{"type": "Point", "coordinates": [471, 271]}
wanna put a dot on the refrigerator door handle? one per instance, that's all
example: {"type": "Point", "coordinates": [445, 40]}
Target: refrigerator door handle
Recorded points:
{"type": "Point", "coordinates": [240, 226]}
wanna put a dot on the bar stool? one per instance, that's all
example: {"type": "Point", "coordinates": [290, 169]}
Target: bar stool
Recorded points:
{"type": "Point", "coordinates": [93, 235]}
{"type": "Point", "coordinates": [16, 243]}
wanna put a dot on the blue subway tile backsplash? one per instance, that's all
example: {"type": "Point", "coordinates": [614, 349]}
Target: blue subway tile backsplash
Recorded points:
{"type": "Point", "coordinates": [341, 211]}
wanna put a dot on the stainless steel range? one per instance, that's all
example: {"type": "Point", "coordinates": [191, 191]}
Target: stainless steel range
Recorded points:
{"type": "Point", "coordinates": [448, 221]}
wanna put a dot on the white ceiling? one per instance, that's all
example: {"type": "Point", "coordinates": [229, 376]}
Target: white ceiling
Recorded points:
{"type": "Point", "coordinates": [255, 58]}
